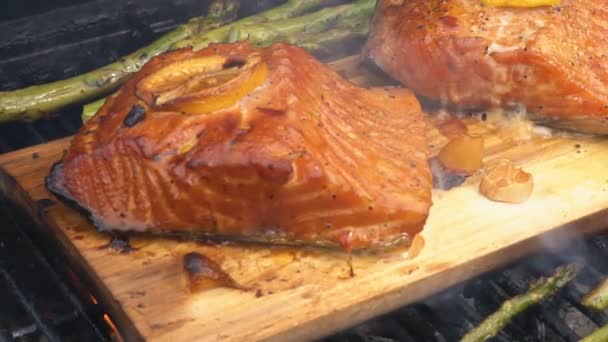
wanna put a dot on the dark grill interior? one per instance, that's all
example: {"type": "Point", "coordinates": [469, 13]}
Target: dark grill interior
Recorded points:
{"type": "Point", "coordinates": [42, 300]}
{"type": "Point", "coordinates": [39, 299]}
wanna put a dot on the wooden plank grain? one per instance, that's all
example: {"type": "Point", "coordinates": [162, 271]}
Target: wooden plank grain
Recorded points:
{"type": "Point", "coordinates": [298, 294]}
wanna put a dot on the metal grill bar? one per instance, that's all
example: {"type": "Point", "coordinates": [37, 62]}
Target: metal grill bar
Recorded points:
{"type": "Point", "coordinates": [65, 291]}
{"type": "Point", "coordinates": [42, 323]}
{"type": "Point", "coordinates": [19, 223]}
{"type": "Point", "coordinates": [30, 329]}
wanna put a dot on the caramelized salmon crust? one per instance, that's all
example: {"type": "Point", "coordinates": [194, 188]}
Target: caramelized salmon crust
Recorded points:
{"type": "Point", "coordinates": [252, 144]}
{"type": "Point", "coordinates": [551, 60]}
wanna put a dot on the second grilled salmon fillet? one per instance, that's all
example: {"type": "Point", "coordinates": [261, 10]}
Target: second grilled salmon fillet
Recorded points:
{"type": "Point", "coordinates": [551, 60]}
{"type": "Point", "coordinates": [252, 144]}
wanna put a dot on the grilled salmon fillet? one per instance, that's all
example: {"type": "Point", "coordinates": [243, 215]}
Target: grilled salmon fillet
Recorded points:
{"type": "Point", "coordinates": [553, 61]}
{"type": "Point", "coordinates": [250, 144]}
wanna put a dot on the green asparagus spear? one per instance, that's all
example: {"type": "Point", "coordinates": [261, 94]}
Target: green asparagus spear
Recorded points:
{"type": "Point", "coordinates": [543, 288]}
{"type": "Point", "coordinates": [33, 102]}
{"type": "Point", "coordinates": [89, 110]}
{"type": "Point", "coordinates": [314, 32]}
{"type": "Point", "coordinates": [600, 335]}
{"type": "Point", "coordinates": [358, 12]}
{"type": "Point", "coordinates": [597, 299]}
{"type": "Point", "coordinates": [346, 29]}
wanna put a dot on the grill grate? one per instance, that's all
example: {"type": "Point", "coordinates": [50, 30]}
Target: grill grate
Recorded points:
{"type": "Point", "coordinates": [449, 315]}
{"type": "Point", "coordinates": [36, 300]}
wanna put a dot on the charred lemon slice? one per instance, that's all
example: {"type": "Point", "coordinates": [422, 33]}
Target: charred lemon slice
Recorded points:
{"type": "Point", "coordinates": [520, 3]}
{"type": "Point", "coordinates": [203, 85]}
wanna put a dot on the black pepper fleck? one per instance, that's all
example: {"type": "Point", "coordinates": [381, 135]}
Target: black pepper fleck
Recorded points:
{"type": "Point", "coordinates": [35, 155]}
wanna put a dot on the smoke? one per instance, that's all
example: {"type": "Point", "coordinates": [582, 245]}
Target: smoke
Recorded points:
{"type": "Point", "coordinates": [564, 246]}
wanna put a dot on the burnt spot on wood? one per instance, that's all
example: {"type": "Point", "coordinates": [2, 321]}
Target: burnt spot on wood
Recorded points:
{"type": "Point", "coordinates": [43, 204]}
{"type": "Point", "coordinates": [203, 273]}
{"type": "Point", "coordinates": [135, 116]}
{"type": "Point", "coordinates": [120, 244]}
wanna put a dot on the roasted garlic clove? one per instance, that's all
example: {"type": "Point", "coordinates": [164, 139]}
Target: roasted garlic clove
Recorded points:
{"type": "Point", "coordinates": [506, 183]}
{"type": "Point", "coordinates": [462, 154]}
